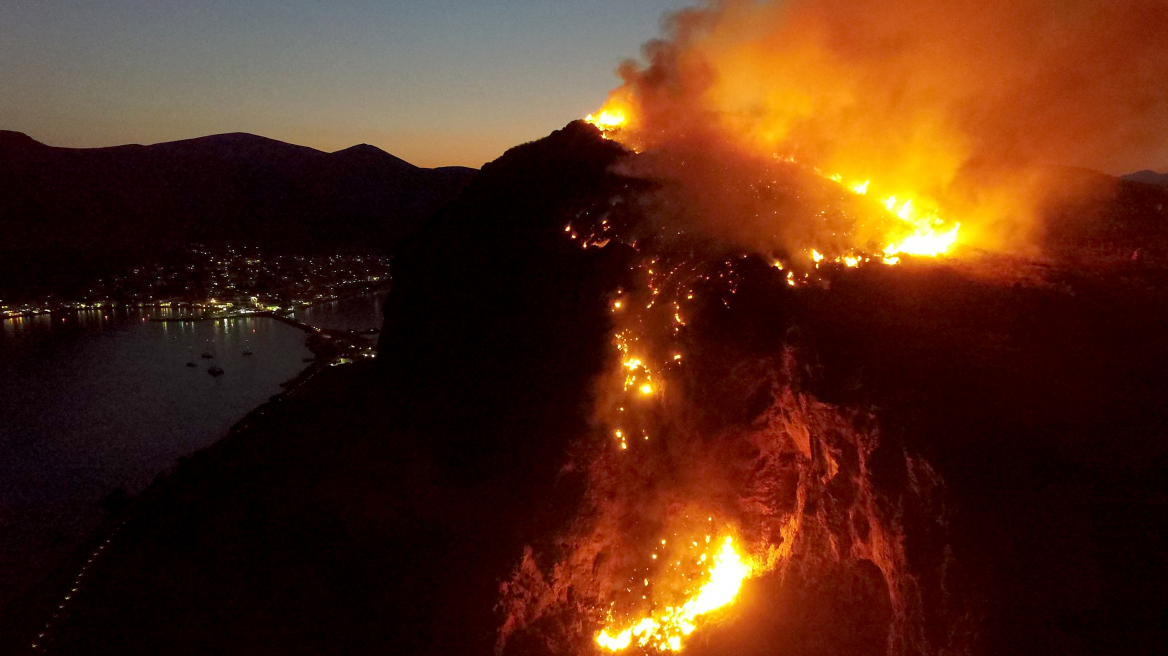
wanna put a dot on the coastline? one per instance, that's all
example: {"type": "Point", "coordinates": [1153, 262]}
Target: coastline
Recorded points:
{"type": "Point", "coordinates": [30, 620]}
{"type": "Point", "coordinates": [105, 306]}
{"type": "Point", "coordinates": [324, 522]}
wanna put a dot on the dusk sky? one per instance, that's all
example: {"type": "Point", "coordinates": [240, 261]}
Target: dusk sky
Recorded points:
{"type": "Point", "coordinates": [439, 82]}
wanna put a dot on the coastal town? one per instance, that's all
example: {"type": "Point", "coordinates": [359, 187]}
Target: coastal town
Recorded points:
{"type": "Point", "coordinates": [206, 282]}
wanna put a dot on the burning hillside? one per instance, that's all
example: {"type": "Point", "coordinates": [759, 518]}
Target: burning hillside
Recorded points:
{"type": "Point", "coordinates": [883, 458]}
{"type": "Point", "coordinates": [774, 442]}
{"type": "Point", "coordinates": [814, 354]}
{"type": "Point", "coordinates": [712, 462]}
{"type": "Point", "coordinates": [788, 154]}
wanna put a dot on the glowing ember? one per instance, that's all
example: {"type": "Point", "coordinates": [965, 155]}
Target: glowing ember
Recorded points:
{"type": "Point", "coordinates": [665, 630]}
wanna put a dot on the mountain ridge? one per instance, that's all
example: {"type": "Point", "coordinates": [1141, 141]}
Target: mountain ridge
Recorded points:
{"type": "Point", "coordinates": [67, 213]}
{"type": "Point", "coordinates": [14, 138]}
{"type": "Point", "coordinates": [1148, 177]}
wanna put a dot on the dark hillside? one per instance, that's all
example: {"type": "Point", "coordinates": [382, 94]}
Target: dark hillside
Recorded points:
{"type": "Point", "coordinates": [1148, 177]}
{"type": "Point", "coordinates": [1104, 220]}
{"type": "Point", "coordinates": [497, 320]}
{"type": "Point", "coordinates": [378, 509]}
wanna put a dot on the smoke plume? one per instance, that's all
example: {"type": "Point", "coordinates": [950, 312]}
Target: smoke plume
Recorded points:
{"type": "Point", "coordinates": [962, 106]}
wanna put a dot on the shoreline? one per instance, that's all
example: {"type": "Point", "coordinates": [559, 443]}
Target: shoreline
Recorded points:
{"type": "Point", "coordinates": [31, 618]}
{"type": "Point", "coordinates": [116, 306]}
{"type": "Point", "coordinates": [275, 314]}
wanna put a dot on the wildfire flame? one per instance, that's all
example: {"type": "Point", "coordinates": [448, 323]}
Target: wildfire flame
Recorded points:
{"type": "Point", "coordinates": [607, 119]}
{"type": "Point", "coordinates": [925, 240]}
{"type": "Point", "coordinates": [665, 630]}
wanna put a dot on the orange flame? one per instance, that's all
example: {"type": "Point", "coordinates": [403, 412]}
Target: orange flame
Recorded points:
{"type": "Point", "coordinates": [665, 630]}
{"type": "Point", "coordinates": [607, 120]}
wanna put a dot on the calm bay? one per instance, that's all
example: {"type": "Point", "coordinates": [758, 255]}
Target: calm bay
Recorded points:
{"type": "Point", "coordinates": [95, 401]}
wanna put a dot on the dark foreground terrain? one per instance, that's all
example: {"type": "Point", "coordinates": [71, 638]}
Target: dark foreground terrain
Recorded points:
{"type": "Point", "coordinates": [310, 532]}
{"type": "Point", "coordinates": [378, 509]}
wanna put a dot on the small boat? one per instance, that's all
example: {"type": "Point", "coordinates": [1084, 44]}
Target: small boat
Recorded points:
{"type": "Point", "coordinates": [248, 352]}
{"type": "Point", "coordinates": [215, 371]}
{"type": "Point", "coordinates": [192, 364]}
{"type": "Point", "coordinates": [208, 356]}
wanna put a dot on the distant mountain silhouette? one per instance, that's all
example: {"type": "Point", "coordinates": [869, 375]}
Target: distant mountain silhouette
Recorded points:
{"type": "Point", "coordinates": [1148, 177]}
{"type": "Point", "coordinates": [68, 211]}
{"type": "Point", "coordinates": [1090, 215]}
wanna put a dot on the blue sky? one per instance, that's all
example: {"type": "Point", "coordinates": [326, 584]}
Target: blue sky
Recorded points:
{"type": "Point", "coordinates": [436, 82]}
